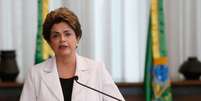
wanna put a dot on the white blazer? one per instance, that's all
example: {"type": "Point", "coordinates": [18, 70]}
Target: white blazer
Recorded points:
{"type": "Point", "coordinates": [42, 82]}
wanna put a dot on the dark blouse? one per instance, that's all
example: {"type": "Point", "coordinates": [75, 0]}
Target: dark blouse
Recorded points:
{"type": "Point", "coordinates": [67, 85]}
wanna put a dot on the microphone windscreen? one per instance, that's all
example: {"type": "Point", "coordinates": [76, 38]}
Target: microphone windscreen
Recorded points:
{"type": "Point", "coordinates": [75, 77]}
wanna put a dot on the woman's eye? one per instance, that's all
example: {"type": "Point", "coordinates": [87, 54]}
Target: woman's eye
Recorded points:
{"type": "Point", "coordinates": [67, 34]}
{"type": "Point", "coordinates": [54, 35]}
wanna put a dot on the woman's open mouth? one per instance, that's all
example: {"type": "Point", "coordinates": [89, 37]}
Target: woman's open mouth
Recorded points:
{"type": "Point", "coordinates": [63, 46]}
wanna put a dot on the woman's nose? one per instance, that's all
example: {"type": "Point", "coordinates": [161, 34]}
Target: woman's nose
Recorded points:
{"type": "Point", "coordinates": [62, 38]}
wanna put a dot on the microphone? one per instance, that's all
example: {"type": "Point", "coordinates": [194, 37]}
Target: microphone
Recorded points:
{"type": "Point", "coordinates": [76, 79]}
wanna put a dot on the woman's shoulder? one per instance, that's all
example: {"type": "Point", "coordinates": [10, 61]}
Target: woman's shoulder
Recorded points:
{"type": "Point", "coordinates": [42, 65]}
{"type": "Point", "coordinates": [91, 64]}
{"type": "Point", "coordinates": [89, 61]}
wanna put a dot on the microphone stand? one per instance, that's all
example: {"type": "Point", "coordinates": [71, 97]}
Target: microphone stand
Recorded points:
{"type": "Point", "coordinates": [76, 79]}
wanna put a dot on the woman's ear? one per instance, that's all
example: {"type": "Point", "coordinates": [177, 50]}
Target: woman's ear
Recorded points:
{"type": "Point", "coordinates": [77, 44]}
{"type": "Point", "coordinates": [78, 40]}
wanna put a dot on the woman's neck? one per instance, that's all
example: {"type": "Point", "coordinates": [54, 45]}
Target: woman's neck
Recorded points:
{"type": "Point", "coordinates": [66, 60]}
{"type": "Point", "coordinates": [66, 66]}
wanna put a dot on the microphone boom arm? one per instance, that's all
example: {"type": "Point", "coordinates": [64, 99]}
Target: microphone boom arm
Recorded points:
{"type": "Point", "coordinates": [98, 91]}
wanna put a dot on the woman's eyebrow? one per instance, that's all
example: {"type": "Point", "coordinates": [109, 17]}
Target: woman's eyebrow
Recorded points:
{"type": "Point", "coordinates": [67, 30]}
{"type": "Point", "coordinates": [55, 32]}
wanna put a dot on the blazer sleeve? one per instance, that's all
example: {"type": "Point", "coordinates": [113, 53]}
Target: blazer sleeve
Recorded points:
{"type": "Point", "coordinates": [28, 92]}
{"type": "Point", "coordinates": [109, 86]}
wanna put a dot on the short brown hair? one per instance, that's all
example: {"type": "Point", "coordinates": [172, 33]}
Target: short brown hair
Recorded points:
{"type": "Point", "coordinates": [61, 14]}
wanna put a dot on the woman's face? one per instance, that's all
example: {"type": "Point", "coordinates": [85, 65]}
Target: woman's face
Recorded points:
{"type": "Point", "coordinates": [63, 39]}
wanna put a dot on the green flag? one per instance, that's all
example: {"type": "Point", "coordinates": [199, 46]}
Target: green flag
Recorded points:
{"type": "Point", "coordinates": [39, 38]}
{"type": "Point", "coordinates": [43, 51]}
{"type": "Point", "coordinates": [157, 82]}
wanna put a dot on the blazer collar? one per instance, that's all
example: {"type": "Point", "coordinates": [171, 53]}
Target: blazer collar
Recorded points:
{"type": "Point", "coordinates": [81, 65]}
{"type": "Point", "coordinates": [51, 77]}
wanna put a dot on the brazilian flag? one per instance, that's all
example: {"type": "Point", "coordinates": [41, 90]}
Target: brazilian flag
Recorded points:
{"type": "Point", "coordinates": [157, 82]}
{"type": "Point", "coordinates": [43, 51]}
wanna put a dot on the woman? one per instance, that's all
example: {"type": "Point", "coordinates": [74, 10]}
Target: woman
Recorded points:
{"type": "Point", "coordinates": [53, 80]}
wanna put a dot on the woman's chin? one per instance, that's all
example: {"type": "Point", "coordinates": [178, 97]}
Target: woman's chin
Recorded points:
{"type": "Point", "coordinates": [65, 53]}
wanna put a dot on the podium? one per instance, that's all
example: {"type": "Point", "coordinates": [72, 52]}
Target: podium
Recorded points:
{"type": "Point", "coordinates": [181, 91]}
{"type": "Point", "coordinates": [187, 90]}
{"type": "Point", "coordinates": [10, 91]}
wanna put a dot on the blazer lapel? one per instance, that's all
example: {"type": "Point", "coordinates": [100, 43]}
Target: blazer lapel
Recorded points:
{"type": "Point", "coordinates": [82, 72]}
{"type": "Point", "coordinates": [51, 79]}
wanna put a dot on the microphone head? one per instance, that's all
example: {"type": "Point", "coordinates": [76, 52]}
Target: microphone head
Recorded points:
{"type": "Point", "coordinates": [76, 78]}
